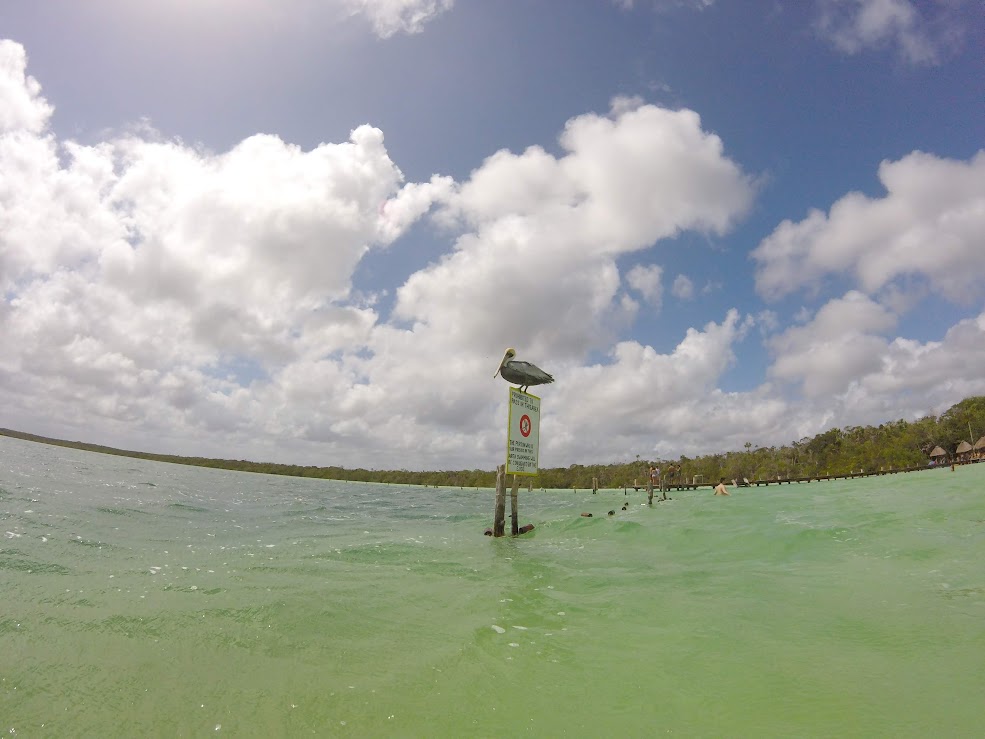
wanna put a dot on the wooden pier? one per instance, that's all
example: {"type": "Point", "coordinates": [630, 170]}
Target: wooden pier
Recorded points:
{"type": "Point", "coordinates": [745, 483]}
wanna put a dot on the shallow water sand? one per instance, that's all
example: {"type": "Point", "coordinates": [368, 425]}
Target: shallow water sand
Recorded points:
{"type": "Point", "coordinates": [146, 599]}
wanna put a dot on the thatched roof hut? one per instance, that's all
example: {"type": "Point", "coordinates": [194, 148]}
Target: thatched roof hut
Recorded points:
{"type": "Point", "coordinates": [963, 452]}
{"type": "Point", "coordinates": [938, 452]}
{"type": "Point", "coordinates": [980, 444]}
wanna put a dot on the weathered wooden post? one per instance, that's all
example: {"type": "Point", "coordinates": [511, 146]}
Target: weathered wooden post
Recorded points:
{"type": "Point", "coordinates": [649, 490]}
{"type": "Point", "coordinates": [515, 524]}
{"type": "Point", "coordinates": [499, 515]}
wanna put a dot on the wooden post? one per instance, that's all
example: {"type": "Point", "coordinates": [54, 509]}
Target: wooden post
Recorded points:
{"type": "Point", "coordinates": [649, 490]}
{"type": "Point", "coordinates": [499, 516]}
{"type": "Point", "coordinates": [595, 485]}
{"type": "Point", "coordinates": [515, 524]}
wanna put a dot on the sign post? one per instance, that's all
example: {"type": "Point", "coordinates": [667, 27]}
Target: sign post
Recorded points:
{"type": "Point", "coordinates": [523, 434]}
{"type": "Point", "coordinates": [522, 456]}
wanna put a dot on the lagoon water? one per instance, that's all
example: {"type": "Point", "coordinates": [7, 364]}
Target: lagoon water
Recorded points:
{"type": "Point", "coordinates": [146, 599]}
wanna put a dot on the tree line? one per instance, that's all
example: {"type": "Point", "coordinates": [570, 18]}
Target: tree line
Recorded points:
{"type": "Point", "coordinates": [893, 445]}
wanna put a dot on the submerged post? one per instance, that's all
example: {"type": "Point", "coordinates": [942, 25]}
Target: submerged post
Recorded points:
{"type": "Point", "coordinates": [515, 513]}
{"type": "Point", "coordinates": [499, 515]}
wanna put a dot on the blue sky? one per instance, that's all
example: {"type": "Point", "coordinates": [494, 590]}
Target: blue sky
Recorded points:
{"type": "Point", "coordinates": [307, 231]}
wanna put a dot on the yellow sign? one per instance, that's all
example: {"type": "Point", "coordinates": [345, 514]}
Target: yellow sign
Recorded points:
{"type": "Point", "coordinates": [523, 434]}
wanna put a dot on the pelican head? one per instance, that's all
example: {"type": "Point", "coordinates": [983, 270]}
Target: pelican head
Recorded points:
{"type": "Point", "coordinates": [510, 353]}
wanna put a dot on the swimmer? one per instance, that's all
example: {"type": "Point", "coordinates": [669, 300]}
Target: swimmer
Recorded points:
{"type": "Point", "coordinates": [586, 515]}
{"type": "Point", "coordinates": [612, 513]}
{"type": "Point", "coordinates": [525, 529]}
{"type": "Point", "coordinates": [720, 489]}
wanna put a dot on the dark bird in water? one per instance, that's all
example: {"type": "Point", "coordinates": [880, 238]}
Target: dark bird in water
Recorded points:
{"type": "Point", "coordinates": [523, 374]}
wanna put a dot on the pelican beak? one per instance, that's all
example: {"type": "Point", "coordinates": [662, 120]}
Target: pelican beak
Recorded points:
{"type": "Point", "coordinates": [502, 362]}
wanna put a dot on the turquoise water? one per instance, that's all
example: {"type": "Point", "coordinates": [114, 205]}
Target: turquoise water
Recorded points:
{"type": "Point", "coordinates": [146, 599]}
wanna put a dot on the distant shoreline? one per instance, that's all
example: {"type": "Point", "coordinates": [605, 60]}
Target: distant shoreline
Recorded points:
{"type": "Point", "coordinates": [406, 477]}
{"type": "Point", "coordinates": [855, 451]}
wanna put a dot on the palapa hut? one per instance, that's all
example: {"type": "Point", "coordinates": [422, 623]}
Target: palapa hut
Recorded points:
{"type": "Point", "coordinates": [963, 452]}
{"type": "Point", "coordinates": [979, 448]}
{"type": "Point", "coordinates": [938, 455]}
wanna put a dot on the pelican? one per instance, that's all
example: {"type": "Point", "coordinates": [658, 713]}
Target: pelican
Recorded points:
{"type": "Point", "coordinates": [523, 374]}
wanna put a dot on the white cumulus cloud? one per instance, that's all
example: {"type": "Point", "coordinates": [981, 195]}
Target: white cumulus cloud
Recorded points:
{"type": "Point", "coordinates": [843, 342]}
{"type": "Point", "coordinates": [857, 375]}
{"type": "Point", "coordinates": [682, 288]}
{"type": "Point", "coordinates": [542, 232]}
{"type": "Point", "coordinates": [855, 25]}
{"type": "Point", "coordinates": [928, 225]}
{"type": "Point", "coordinates": [23, 109]}
{"type": "Point", "coordinates": [389, 17]}
{"type": "Point", "coordinates": [647, 281]}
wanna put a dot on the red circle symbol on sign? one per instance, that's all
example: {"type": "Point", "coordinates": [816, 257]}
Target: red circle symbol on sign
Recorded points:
{"type": "Point", "coordinates": [525, 425]}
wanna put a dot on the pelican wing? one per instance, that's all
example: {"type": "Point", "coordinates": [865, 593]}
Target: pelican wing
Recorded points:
{"type": "Point", "coordinates": [524, 373]}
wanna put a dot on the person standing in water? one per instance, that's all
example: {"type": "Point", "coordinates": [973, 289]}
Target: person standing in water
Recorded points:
{"type": "Point", "coordinates": [720, 488]}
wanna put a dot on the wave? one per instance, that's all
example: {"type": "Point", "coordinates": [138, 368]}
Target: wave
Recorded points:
{"type": "Point", "coordinates": [187, 507]}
